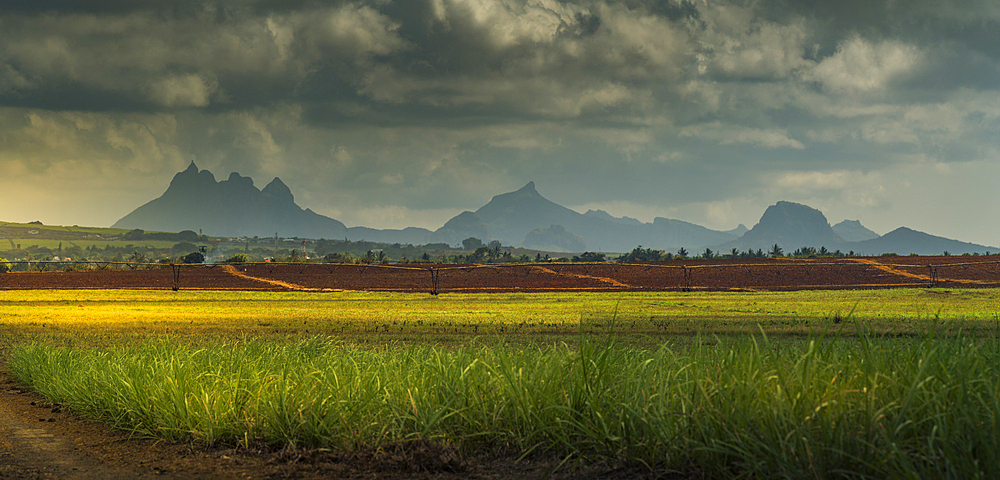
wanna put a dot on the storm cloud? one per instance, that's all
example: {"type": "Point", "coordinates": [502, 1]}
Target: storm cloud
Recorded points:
{"type": "Point", "coordinates": [392, 114]}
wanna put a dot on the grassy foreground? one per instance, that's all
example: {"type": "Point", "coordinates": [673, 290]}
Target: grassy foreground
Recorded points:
{"type": "Point", "coordinates": [874, 408]}
{"type": "Point", "coordinates": [884, 384]}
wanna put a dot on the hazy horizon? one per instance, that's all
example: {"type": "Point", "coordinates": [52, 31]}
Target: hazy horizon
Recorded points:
{"type": "Point", "coordinates": [393, 114]}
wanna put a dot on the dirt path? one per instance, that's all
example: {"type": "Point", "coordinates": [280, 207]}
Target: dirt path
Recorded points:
{"type": "Point", "coordinates": [33, 451]}
{"type": "Point", "coordinates": [925, 278]}
{"type": "Point", "coordinates": [230, 269]}
{"type": "Point", "coordinates": [610, 281]}
{"type": "Point", "coordinates": [39, 440]}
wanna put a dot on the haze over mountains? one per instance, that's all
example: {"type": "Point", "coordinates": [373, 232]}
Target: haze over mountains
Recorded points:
{"type": "Point", "coordinates": [235, 207]}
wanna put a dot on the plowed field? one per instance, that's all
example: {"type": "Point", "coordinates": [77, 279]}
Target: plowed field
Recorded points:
{"type": "Point", "coordinates": [758, 274]}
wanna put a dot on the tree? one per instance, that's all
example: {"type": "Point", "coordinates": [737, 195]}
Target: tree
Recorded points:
{"type": "Point", "coordinates": [682, 252]}
{"type": "Point", "coordinates": [479, 255]}
{"type": "Point", "coordinates": [639, 254]}
{"type": "Point", "coordinates": [804, 252]}
{"type": "Point", "coordinates": [776, 251]}
{"type": "Point", "coordinates": [194, 257]}
{"type": "Point", "coordinates": [471, 243]}
{"type": "Point", "coordinates": [137, 258]}
{"type": "Point", "coordinates": [238, 258]}
{"type": "Point", "coordinates": [734, 253]}
{"type": "Point", "coordinates": [5, 265]}
{"type": "Point", "coordinates": [589, 257]}
{"type": "Point", "coordinates": [708, 254]}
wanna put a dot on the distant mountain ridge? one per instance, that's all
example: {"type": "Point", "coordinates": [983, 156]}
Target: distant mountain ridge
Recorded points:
{"type": "Point", "coordinates": [194, 200]}
{"type": "Point", "coordinates": [510, 217]}
{"type": "Point", "coordinates": [792, 226]}
{"type": "Point", "coordinates": [230, 208]}
{"type": "Point", "coordinates": [789, 225]}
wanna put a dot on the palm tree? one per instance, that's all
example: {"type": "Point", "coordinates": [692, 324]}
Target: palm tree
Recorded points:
{"type": "Point", "coordinates": [776, 251]}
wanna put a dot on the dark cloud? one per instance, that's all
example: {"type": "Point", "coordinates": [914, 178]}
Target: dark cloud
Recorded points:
{"type": "Point", "coordinates": [433, 105]}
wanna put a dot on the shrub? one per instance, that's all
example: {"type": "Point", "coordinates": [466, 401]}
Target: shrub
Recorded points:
{"type": "Point", "coordinates": [5, 265]}
{"type": "Point", "coordinates": [194, 257]}
{"type": "Point", "coordinates": [238, 258]}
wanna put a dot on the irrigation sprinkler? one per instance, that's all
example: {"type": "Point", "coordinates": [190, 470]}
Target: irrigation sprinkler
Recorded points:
{"type": "Point", "coordinates": [177, 276]}
{"type": "Point", "coordinates": [434, 280]}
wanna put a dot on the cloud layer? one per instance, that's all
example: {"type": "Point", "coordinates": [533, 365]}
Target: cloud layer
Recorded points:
{"type": "Point", "coordinates": [390, 114]}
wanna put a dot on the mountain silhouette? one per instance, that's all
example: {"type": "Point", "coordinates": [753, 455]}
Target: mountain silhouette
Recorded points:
{"type": "Point", "coordinates": [791, 226]}
{"type": "Point", "coordinates": [905, 241]}
{"type": "Point", "coordinates": [853, 231]}
{"type": "Point", "coordinates": [194, 200]}
{"type": "Point", "coordinates": [230, 208]}
{"type": "Point", "coordinates": [464, 225]}
{"type": "Point", "coordinates": [510, 217]}
{"type": "Point", "coordinates": [555, 238]}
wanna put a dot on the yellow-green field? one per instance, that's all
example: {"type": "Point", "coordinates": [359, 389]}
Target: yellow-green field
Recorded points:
{"type": "Point", "coordinates": [646, 318]}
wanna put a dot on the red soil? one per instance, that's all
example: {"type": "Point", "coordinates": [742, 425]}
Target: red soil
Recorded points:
{"type": "Point", "coordinates": [754, 274]}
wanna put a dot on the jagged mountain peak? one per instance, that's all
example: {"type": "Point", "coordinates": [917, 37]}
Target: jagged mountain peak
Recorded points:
{"type": "Point", "coordinates": [512, 215]}
{"type": "Point", "coordinates": [237, 181]}
{"type": "Point", "coordinates": [791, 225]}
{"type": "Point", "coordinates": [739, 230]}
{"type": "Point", "coordinates": [190, 180]}
{"type": "Point", "coordinates": [279, 191]}
{"type": "Point", "coordinates": [233, 207]}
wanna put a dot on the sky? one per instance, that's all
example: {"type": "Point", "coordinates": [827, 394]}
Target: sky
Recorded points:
{"type": "Point", "coordinates": [404, 113]}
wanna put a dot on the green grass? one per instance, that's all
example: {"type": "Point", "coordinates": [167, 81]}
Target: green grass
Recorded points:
{"type": "Point", "coordinates": [874, 408]}
{"type": "Point", "coordinates": [823, 384]}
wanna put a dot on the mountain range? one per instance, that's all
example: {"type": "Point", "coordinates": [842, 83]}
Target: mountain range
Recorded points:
{"type": "Point", "coordinates": [232, 208]}
{"type": "Point", "coordinates": [194, 200]}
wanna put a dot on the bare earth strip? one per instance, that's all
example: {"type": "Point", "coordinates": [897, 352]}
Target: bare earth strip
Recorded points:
{"type": "Point", "coordinates": [903, 273]}
{"type": "Point", "coordinates": [31, 451]}
{"type": "Point", "coordinates": [278, 283]}
{"type": "Point", "coordinates": [611, 281]}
